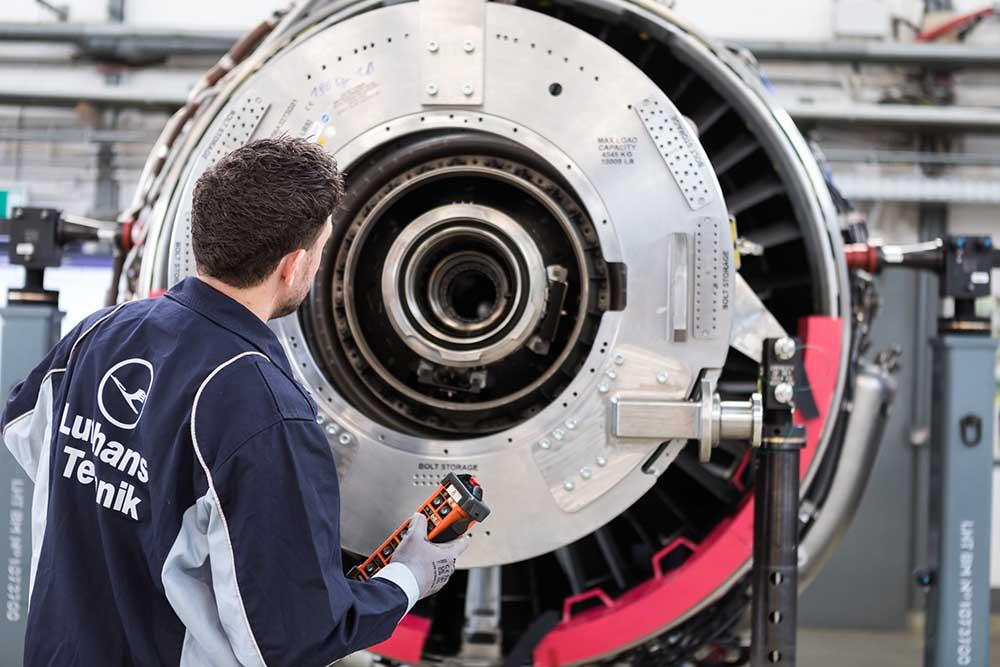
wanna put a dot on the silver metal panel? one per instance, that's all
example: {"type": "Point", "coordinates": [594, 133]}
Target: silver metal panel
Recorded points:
{"type": "Point", "coordinates": [452, 60]}
{"type": "Point", "coordinates": [355, 85]}
{"type": "Point", "coordinates": [676, 145]}
{"type": "Point", "coordinates": [711, 279]}
{"type": "Point", "coordinates": [752, 321]}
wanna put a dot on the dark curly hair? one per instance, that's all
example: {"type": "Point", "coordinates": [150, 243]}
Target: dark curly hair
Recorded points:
{"type": "Point", "coordinates": [259, 203]}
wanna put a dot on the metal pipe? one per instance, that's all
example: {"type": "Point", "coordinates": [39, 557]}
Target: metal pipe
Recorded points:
{"type": "Point", "coordinates": [955, 190]}
{"type": "Point", "coordinates": [146, 99]}
{"type": "Point", "coordinates": [910, 157]}
{"type": "Point", "coordinates": [121, 41]}
{"type": "Point", "coordinates": [79, 136]}
{"type": "Point", "coordinates": [874, 390]}
{"type": "Point", "coordinates": [904, 116]}
{"type": "Point", "coordinates": [925, 55]}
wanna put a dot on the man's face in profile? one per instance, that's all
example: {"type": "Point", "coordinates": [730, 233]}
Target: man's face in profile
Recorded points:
{"type": "Point", "coordinates": [306, 276]}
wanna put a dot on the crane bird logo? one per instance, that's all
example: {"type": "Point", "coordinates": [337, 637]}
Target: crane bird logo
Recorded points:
{"type": "Point", "coordinates": [138, 396]}
{"type": "Point", "coordinates": [123, 399]}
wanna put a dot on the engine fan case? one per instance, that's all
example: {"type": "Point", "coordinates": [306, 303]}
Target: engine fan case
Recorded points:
{"type": "Point", "coordinates": [615, 128]}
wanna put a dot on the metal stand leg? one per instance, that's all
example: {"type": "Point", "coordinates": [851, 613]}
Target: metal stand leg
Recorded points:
{"type": "Point", "coordinates": [775, 552]}
{"type": "Point", "coordinates": [27, 333]}
{"type": "Point", "coordinates": [775, 577]}
{"type": "Point", "coordinates": [961, 492]}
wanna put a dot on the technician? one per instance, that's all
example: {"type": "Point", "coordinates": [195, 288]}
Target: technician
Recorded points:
{"type": "Point", "coordinates": [186, 504]}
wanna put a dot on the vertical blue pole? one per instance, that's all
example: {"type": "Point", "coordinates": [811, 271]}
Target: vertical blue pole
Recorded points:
{"type": "Point", "coordinates": [961, 501]}
{"type": "Point", "coordinates": [27, 333]}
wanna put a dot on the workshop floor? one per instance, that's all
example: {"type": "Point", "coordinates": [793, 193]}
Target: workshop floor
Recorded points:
{"type": "Point", "coordinates": [842, 648]}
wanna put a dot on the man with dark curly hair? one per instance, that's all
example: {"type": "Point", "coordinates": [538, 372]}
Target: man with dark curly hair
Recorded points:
{"type": "Point", "coordinates": [186, 506]}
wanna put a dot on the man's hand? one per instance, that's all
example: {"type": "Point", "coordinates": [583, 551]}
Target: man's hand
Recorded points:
{"type": "Point", "coordinates": [431, 564]}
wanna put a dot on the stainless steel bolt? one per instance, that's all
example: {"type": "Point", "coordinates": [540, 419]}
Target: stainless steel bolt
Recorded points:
{"type": "Point", "coordinates": [332, 429]}
{"type": "Point", "coordinates": [432, 46]}
{"type": "Point", "coordinates": [432, 89]}
{"type": "Point", "coordinates": [558, 434]}
{"type": "Point", "coordinates": [619, 358]}
{"type": "Point", "coordinates": [601, 461]}
{"type": "Point", "coordinates": [469, 46]}
{"type": "Point", "coordinates": [320, 419]}
{"type": "Point", "coordinates": [570, 424]}
{"type": "Point", "coordinates": [569, 485]}
{"type": "Point", "coordinates": [467, 90]}
{"type": "Point", "coordinates": [545, 444]}
{"type": "Point", "coordinates": [345, 438]}
{"type": "Point", "coordinates": [662, 377]}
{"type": "Point", "coordinates": [603, 388]}
{"type": "Point", "coordinates": [784, 348]}
{"type": "Point", "coordinates": [611, 373]}
{"type": "Point", "coordinates": [783, 393]}
{"type": "Point", "coordinates": [586, 473]}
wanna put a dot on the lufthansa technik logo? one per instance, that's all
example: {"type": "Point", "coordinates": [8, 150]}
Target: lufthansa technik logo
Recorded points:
{"type": "Point", "coordinates": [123, 391]}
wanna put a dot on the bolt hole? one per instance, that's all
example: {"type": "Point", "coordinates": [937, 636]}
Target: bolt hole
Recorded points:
{"type": "Point", "coordinates": [555, 89]}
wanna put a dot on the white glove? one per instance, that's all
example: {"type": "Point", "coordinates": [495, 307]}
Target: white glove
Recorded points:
{"type": "Point", "coordinates": [432, 564]}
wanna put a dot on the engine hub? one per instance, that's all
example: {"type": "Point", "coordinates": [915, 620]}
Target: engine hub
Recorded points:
{"type": "Point", "coordinates": [464, 292]}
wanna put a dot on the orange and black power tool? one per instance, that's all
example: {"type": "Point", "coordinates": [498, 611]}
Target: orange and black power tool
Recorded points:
{"type": "Point", "coordinates": [454, 506]}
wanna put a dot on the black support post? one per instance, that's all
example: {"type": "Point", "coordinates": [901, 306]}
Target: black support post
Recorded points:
{"type": "Point", "coordinates": [776, 512]}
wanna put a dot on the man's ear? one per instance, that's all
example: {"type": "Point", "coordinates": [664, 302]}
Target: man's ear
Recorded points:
{"type": "Point", "coordinates": [291, 265]}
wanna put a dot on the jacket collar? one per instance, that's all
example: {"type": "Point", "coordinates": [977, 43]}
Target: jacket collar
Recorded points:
{"type": "Point", "coordinates": [229, 314]}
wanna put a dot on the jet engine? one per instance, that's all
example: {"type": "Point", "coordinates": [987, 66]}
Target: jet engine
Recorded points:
{"type": "Point", "coordinates": [568, 227]}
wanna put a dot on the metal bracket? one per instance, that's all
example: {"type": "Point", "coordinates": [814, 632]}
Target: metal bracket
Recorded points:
{"type": "Point", "coordinates": [452, 60]}
{"type": "Point", "coordinates": [679, 287]}
{"type": "Point", "coordinates": [707, 420]}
